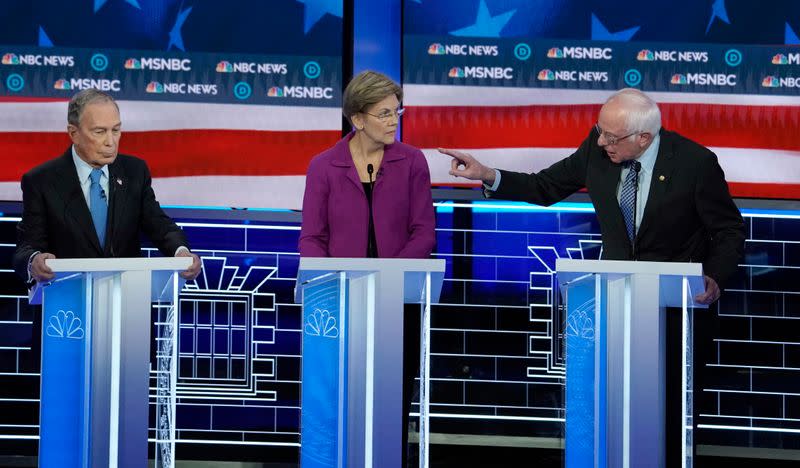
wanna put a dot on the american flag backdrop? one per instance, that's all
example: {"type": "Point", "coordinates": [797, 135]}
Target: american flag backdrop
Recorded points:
{"type": "Point", "coordinates": [529, 129]}
{"type": "Point", "coordinates": [226, 101]}
{"type": "Point", "coordinates": [520, 85]}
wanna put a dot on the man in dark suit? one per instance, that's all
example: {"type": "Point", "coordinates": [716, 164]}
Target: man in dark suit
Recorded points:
{"type": "Point", "coordinates": [92, 201]}
{"type": "Point", "coordinates": [658, 196]}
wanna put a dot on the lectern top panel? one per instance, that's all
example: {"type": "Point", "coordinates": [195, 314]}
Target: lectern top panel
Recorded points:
{"type": "Point", "coordinates": [61, 265]}
{"type": "Point", "coordinates": [371, 264]}
{"type": "Point", "coordinates": [564, 265]}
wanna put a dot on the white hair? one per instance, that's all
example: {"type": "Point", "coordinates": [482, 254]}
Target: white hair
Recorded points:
{"type": "Point", "coordinates": [641, 113]}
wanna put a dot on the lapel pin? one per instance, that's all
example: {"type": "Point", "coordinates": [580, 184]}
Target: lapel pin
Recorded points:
{"type": "Point", "coordinates": [662, 178]}
{"type": "Point", "coordinates": [119, 181]}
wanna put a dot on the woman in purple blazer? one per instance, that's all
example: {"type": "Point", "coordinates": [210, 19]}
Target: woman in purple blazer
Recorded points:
{"type": "Point", "coordinates": [369, 195]}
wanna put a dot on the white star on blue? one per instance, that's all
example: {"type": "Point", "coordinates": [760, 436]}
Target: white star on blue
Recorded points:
{"type": "Point", "coordinates": [175, 37]}
{"type": "Point", "coordinates": [790, 37]}
{"type": "Point", "coordinates": [316, 9]}
{"type": "Point", "coordinates": [98, 4]}
{"type": "Point", "coordinates": [601, 33]}
{"type": "Point", "coordinates": [44, 39]}
{"type": "Point", "coordinates": [485, 25]}
{"type": "Point", "coordinates": [718, 11]}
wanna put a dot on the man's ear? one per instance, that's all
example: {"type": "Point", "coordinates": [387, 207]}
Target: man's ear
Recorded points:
{"type": "Point", "coordinates": [646, 138]}
{"type": "Point", "coordinates": [72, 130]}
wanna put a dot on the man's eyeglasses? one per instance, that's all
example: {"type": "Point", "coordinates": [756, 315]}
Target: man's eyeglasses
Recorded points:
{"type": "Point", "coordinates": [612, 140]}
{"type": "Point", "coordinates": [386, 115]}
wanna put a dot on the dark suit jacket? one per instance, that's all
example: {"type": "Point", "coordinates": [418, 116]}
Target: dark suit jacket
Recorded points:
{"type": "Point", "coordinates": [401, 202]}
{"type": "Point", "coordinates": [689, 217]}
{"type": "Point", "coordinates": [56, 218]}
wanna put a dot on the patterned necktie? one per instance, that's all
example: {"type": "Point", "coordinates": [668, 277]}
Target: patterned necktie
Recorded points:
{"type": "Point", "coordinates": [627, 197]}
{"type": "Point", "coordinates": [98, 206]}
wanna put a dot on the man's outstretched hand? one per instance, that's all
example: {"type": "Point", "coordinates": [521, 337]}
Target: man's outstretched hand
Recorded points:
{"type": "Point", "coordinates": [466, 166]}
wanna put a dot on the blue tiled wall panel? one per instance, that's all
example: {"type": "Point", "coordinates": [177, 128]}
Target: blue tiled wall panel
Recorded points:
{"type": "Point", "coordinates": [496, 345]}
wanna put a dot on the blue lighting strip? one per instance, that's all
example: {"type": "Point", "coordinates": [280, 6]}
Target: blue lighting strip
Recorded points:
{"type": "Point", "coordinates": [225, 208]}
{"type": "Point", "coordinates": [573, 207]}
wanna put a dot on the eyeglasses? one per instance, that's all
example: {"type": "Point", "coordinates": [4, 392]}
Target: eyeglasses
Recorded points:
{"type": "Point", "coordinates": [610, 139]}
{"type": "Point", "coordinates": [386, 115]}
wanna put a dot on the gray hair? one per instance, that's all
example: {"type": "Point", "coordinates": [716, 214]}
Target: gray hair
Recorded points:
{"type": "Point", "coordinates": [82, 99]}
{"type": "Point", "coordinates": [641, 112]}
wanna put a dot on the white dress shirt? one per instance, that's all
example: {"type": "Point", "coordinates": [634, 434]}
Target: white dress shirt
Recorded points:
{"type": "Point", "coordinates": [84, 173]}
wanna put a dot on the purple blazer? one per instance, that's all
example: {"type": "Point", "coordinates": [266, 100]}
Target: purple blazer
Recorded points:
{"type": "Point", "coordinates": [336, 213]}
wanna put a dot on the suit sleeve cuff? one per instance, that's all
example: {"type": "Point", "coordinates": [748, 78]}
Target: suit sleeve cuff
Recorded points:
{"type": "Point", "coordinates": [30, 261]}
{"type": "Point", "coordinates": [496, 184]}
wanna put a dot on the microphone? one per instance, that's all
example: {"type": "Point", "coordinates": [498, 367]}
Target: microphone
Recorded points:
{"type": "Point", "coordinates": [370, 247]}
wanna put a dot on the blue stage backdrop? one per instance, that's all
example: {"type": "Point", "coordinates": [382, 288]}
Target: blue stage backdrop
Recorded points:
{"type": "Point", "coordinates": [497, 364]}
{"type": "Point", "coordinates": [199, 82]}
{"type": "Point", "coordinates": [520, 83]}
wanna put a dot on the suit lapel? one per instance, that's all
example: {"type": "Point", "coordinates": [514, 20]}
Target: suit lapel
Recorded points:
{"type": "Point", "coordinates": [75, 207]}
{"type": "Point", "coordinates": [118, 185]}
{"type": "Point", "coordinates": [659, 182]}
{"type": "Point", "coordinates": [607, 185]}
{"type": "Point", "coordinates": [343, 159]}
{"type": "Point", "coordinates": [390, 155]}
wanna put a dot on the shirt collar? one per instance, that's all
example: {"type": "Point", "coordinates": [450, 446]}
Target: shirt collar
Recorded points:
{"type": "Point", "coordinates": [648, 158]}
{"type": "Point", "coordinates": [83, 168]}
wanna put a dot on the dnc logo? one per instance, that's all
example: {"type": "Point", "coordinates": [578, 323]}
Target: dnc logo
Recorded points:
{"type": "Point", "coordinates": [645, 55]}
{"type": "Point", "coordinates": [155, 87]}
{"type": "Point", "coordinates": [133, 64]}
{"type": "Point", "coordinates": [10, 59]}
{"type": "Point", "coordinates": [275, 92]}
{"type": "Point", "coordinates": [62, 84]}
{"type": "Point", "coordinates": [456, 72]}
{"type": "Point", "coordinates": [436, 49]}
{"type": "Point", "coordinates": [224, 67]}
{"type": "Point", "coordinates": [555, 52]}
{"type": "Point", "coordinates": [546, 75]}
{"type": "Point", "coordinates": [679, 79]}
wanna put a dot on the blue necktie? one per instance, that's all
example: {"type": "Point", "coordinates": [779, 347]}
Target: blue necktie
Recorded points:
{"type": "Point", "coordinates": [98, 206]}
{"type": "Point", "coordinates": [627, 197]}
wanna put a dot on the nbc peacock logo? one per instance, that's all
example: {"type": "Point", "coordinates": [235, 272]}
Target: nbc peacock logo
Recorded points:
{"type": "Point", "coordinates": [555, 52]}
{"type": "Point", "coordinates": [10, 59]}
{"type": "Point", "coordinates": [777, 59]}
{"type": "Point", "coordinates": [456, 72]}
{"type": "Point", "coordinates": [435, 49]}
{"type": "Point", "coordinates": [645, 55]}
{"type": "Point", "coordinates": [678, 79]}
{"type": "Point", "coordinates": [546, 75]}
{"type": "Point", "coordinates": [770, 82]}
{"type": "Point", "coordinates": [62, 84]}
{"type": "Point", "coordinates": [275, 92]}
{"type": "Point", "coordinates": [224, 67]}
{"type": "Point", "coordinates": [133, 64]}
{"type": "Point", "coordinates": [155, 87]}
